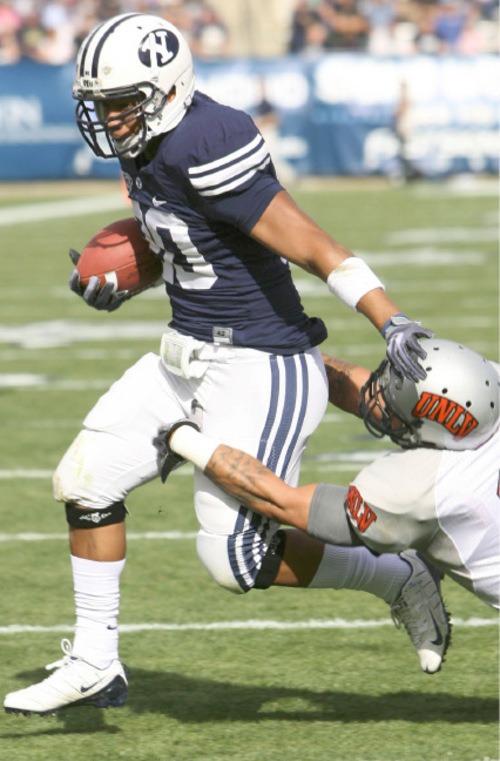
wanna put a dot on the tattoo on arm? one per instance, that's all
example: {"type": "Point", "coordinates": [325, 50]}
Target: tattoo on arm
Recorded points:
{"type": "Point", "coordinates": [245, 478]}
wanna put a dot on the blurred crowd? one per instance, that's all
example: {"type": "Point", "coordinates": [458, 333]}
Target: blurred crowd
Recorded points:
{"type": "Point", "coordinates": [396, 27]}
{"type": "Point", "coordinates": [50, 31]}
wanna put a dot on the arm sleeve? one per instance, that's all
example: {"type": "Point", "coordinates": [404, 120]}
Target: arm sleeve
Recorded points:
{"type": "Point", "coordinates": [327, 517]}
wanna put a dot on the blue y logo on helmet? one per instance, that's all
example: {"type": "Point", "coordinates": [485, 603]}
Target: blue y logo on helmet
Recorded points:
{"type": "Point", "coordinates": [158, 48]}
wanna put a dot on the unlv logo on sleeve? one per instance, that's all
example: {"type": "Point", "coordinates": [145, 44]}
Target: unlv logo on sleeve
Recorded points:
{"type": "Point", "coordinates": [158, 48]}
{"type": "Point", "coordinates": [360, 511]}
{"type": "Point", "coordinates": [455, 418]}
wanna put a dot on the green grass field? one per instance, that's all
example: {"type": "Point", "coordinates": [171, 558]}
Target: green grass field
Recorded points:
{"type": "Point", "coordinates": [293, 674]}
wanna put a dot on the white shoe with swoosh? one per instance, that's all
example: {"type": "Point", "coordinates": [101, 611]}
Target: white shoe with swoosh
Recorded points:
{"type": "Point", "coordinates": [73, 683]}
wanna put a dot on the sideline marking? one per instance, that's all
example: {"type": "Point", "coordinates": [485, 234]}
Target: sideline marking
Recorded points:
{"type": "Point", "coordinates": [336, 623]}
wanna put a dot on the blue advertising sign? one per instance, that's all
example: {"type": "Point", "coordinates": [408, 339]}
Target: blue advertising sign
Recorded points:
{"type": "Point", "coordinates": [336, 114]}
{"type": "Point", "coordinates": [39, 138]}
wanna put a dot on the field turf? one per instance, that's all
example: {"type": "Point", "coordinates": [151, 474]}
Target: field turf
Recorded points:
{"type": "Point", "coordinates": [291, 674]}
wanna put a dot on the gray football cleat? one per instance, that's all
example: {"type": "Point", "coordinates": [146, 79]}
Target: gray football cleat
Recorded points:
{"type": "Point", "coordinates": [420, 608]}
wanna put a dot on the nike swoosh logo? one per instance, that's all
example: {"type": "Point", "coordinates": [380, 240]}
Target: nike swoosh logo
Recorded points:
{"type": "Point", "coordinates": [439, 636]}
{"type": "Point", "coordinates": [83, 690]}
{"type": "Point", "coordinates": [158, 202]}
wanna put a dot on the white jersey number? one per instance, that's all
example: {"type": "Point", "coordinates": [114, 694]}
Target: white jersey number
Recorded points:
{"type": "Point", "coordinates": [192, 272]}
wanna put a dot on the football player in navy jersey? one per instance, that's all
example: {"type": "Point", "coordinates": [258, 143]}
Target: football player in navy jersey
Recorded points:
{"type": "Point", "coordinates": [240, 355]}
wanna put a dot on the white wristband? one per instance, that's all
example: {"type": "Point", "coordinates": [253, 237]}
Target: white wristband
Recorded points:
{"type": "Point", "coordinates": [352, 280]}
{"type": "Point", "coordinates": [193, 445]}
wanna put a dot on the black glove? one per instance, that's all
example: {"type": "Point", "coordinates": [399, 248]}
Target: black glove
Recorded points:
{"type": "Point", "coordinates": [167, 459]}
{"type": "Point", "coordinates": [107, 297]}
{"type": "Point", "coordinates": [403, 348]}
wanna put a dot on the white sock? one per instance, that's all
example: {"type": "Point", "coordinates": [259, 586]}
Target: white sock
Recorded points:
{"type": "Point", "coordinates": [358, 568]}
{"type": "Point", "coordinates": [97, 600]}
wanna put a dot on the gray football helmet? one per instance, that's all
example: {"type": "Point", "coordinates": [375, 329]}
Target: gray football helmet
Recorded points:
{"type": "Point", "coordinates": [136, 58]}
{"type": "Point", "coordinates": [455, 407]}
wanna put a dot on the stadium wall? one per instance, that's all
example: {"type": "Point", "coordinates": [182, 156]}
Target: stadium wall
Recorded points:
{"type": "Point", "coordinates": [337, 114]}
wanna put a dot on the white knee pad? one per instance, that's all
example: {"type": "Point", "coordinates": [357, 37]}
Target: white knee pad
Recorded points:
{"type": "Point", "coordinates": [212, 551]}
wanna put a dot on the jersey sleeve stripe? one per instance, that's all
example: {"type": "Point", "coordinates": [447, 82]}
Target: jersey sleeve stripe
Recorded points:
{"type": "Point", "coordinates": [230, 172]}
{"type": "Point", "coordinates": [227, 186]}
{"type": "Point", "coordinates": [227, 159]}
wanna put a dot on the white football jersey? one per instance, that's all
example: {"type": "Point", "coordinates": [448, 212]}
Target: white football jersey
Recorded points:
{"type": "Point", "coordinates": [444, 503]}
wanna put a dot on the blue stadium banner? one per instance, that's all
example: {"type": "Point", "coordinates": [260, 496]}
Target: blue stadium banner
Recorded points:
{"type": "Point", "coordinates": [328, 115]}
{"type": "Point", "coordinates": [39, 138]}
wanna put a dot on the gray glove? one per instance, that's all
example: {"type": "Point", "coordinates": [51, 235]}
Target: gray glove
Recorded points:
{"type": "Point", "coordinates": [167, 459]}
{"type": "Point", "coordinates": [403, 348]}
{"type": "Point", "coordinates": [107, 297]}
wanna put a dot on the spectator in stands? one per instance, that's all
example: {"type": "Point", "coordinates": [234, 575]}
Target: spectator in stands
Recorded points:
{"type": "Point", "coordinates": [10, 18]}
{"type": "Point", "coordinates": [471, 41]}
{"type": "Point", "coordinates": [10, 23]}
{"type": "Point", "coordinates": [449, 23]}
{"type": "Point", "coordinates": [51, 30]}
{"type": "Point", "coordinates": [10, 50]}
{"type": "Point", "coordinates": [381, 16]}
{"type": "Point", "coordinates": [87, 17]}
{"type": "Point", "coordinates": [57, 42]}
{"type": "Point", "coordinates": [488, 9]}
{"type": "Point", "coordinates": [209, 37]}
{"type": "Point", "coordinates": [426, 41]}
{"type": "Point", "coordinates": [303, 18]}
{"type": "Point", "coordinates": [30, 35]}
{"type": "Point", "coordinates": [180, 14]}
{"type": "Point", "coordinates": [348, 28]}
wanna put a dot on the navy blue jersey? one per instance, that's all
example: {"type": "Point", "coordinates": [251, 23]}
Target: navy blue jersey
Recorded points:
{"type": "Point", "coordinates": [197, 201]}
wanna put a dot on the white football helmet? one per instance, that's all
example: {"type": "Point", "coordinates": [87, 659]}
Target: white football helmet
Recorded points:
{"type": "Point", "coordinates": [138, 58]}
{"type": "Point", "coordinates": [455, 407]}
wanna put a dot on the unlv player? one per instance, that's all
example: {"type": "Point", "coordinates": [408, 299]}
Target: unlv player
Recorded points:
{"type": "Point", "coordinates": [439, 493]}
{"type": "Point", "coordinates": [240, 352]}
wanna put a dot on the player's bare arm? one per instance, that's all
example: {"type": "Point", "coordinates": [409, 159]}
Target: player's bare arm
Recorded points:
{"type": "Point", "coordinates": [291, 233]}
{"type": "Point", "coordinates": [345, 382]}
{"type": "Point", "coordinates": [287, 230]}
{"type": "Point", "coordinates": [259, 488]}
{"type": "Point", "coordinates": [237, 472]}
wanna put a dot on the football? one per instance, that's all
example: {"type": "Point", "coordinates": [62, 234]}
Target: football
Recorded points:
{"type": "Point", "coordinates": [118, 253]}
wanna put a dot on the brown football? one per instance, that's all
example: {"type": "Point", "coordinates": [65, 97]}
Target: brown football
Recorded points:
{"type": "Point", "coordinates": [118, 253]}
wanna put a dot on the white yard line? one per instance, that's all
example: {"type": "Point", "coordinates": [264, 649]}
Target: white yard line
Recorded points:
{"type": "Point", "coordinates": [335, 459]}
{"type": "Point", "coordinates": [251, 624]}
{"type": "Point", "coordinates": [442, 235]}
{"type": "Point", "coordinates": [33, 536]}
{"type": "Point", "coordinates": [75, 207]}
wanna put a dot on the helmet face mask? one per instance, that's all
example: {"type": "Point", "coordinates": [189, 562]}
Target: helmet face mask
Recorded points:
{"type": "Point", "coordinates": [143, 61]}
{"type": "Point", "coordinates": [97, 128]}
{"type": "Point", "coordinates": [456, 406]}
{"type": "Point", "coordinates": [378, 417]}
